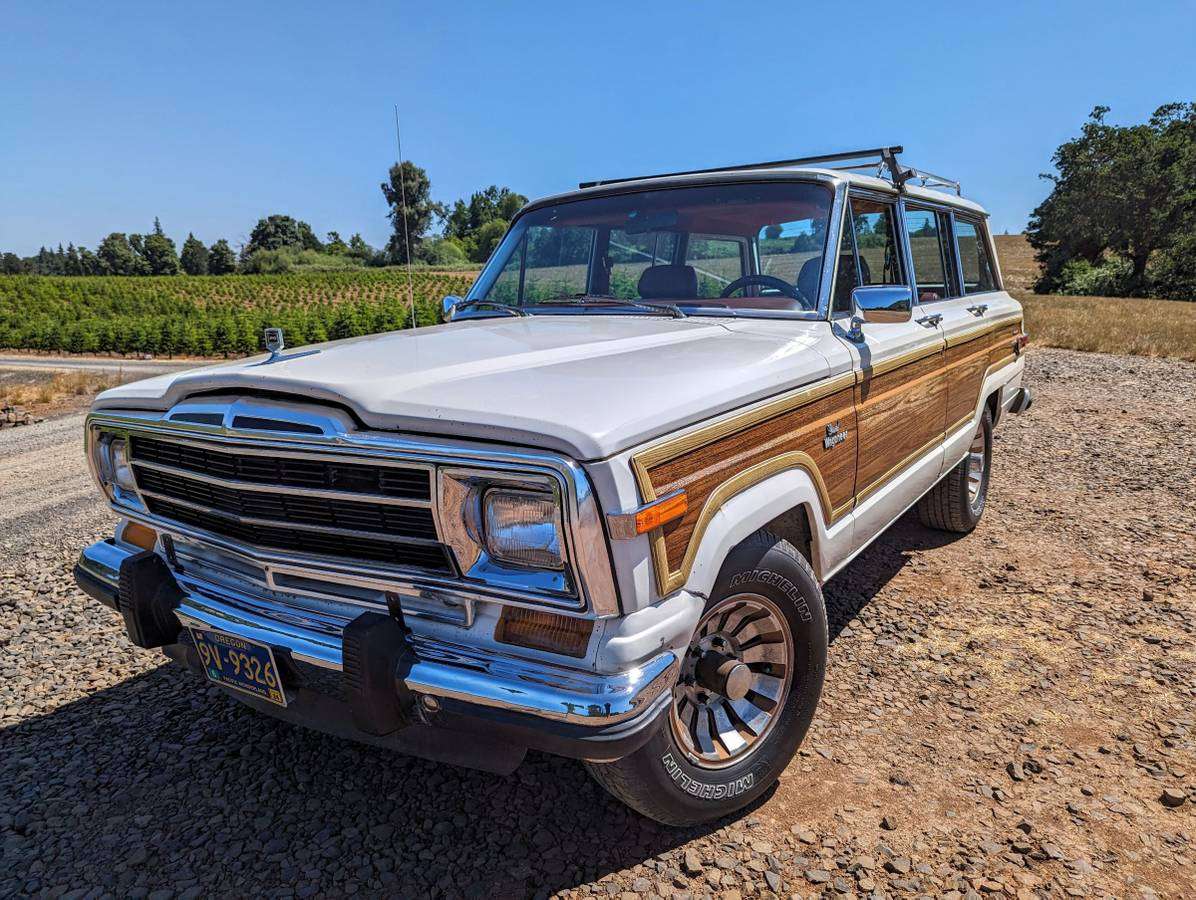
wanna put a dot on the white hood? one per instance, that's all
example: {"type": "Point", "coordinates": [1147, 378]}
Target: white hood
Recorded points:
{"type": "Point", "coordinates": [588, 386]}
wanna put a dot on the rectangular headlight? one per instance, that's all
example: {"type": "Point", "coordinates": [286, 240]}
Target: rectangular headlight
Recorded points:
{"type": "Point", "coordinates": [523, 528]}
{"type": "Point", "coordinates": [112, 466]}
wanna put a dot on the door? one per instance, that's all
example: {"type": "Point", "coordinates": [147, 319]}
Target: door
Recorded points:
{"type": "Point", "coordinates": [975, 318]}
{"type": "Point", "coordinates": [900, 395]}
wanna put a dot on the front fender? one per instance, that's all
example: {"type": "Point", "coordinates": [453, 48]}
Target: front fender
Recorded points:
{"type": "Point", "coordinates": [752, 509]}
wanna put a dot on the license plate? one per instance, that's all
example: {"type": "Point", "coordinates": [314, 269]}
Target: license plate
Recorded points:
{"type": "Point", "coordinates": [240, 664]}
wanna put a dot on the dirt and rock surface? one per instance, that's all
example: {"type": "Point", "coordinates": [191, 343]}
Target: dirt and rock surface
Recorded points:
{"type": "Point", "coordinates": [1012, 713]}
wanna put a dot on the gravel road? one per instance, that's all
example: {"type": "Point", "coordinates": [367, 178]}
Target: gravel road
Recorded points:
{"type": "Point", "coordinates": [97, 364]}
{"type": "Point", "coordinates": [1006, 714]}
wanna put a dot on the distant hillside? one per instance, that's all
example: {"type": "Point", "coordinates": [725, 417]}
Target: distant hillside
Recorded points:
{"type": "Point", "coordinates": [1016, 258]}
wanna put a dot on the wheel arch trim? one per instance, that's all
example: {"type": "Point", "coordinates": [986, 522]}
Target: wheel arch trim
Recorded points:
{"type": "Point", "coordinates": [746, 507]}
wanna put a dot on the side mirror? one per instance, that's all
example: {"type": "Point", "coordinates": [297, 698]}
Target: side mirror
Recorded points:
{"type": "Point", "coordinates": [883, 303]}
{"type": "Point", "coordinates": [448, 306]}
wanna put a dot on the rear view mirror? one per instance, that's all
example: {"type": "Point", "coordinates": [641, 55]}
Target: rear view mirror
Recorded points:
{"type": "Point", "coordinates": [883, 303]}
{"type": "Point", "coordinates": [448, 306]}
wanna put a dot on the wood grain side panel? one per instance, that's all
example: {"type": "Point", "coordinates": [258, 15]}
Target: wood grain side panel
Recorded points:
{"type": "Point", "coordinates": [1003, 340]}
{"type": "Point", "coordinates": [966, 365]}
{"type": "Point", "coordinates": [898, 413]}
{"type": "Point", "coordinates": [788, 437]}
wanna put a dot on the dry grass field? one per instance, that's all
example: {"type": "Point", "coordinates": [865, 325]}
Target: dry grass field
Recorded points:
{"type": "Point", "coordinates": [1133, 325]}
{"type": "Point", "coordinates": [39, 392]}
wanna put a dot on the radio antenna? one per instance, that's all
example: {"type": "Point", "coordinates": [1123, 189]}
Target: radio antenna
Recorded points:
{"type": "Point", "coordinates": [403, 201]}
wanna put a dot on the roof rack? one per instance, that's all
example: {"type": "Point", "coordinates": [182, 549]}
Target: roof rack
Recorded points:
{"type": "Point", "coordinates": [882, 159]}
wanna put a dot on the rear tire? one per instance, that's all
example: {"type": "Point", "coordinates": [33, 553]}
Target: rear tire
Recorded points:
{"type": "Point", "coordinates": [766, 605]}
{"type": "Point", "coordinates": [956, 503]}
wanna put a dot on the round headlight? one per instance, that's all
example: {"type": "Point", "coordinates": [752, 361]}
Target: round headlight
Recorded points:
{"type": "Point", "coordinates": [523, 528]}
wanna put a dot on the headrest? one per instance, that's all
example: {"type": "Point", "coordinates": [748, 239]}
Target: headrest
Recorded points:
{"type": "Point", "coordinates": [668, 282]}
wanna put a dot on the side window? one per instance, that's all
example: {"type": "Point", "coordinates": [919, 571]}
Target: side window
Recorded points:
{"type": "Point", "coordinates": [718, 262]}
{"type": "Point", "coordinates": [629, 254]}
{"type": "Point", "coordinates": [845, 270]}
{"type": "Point", "coordinates": [973, 257]}
{"type": "Point", "coordinates": [869, 252]}
{"type": "Point", "coordinates": [932, 254]}
{"type": "Point", "coordinates": [876, 241]}
{"type": "Point", "coordinates": [557, 262]}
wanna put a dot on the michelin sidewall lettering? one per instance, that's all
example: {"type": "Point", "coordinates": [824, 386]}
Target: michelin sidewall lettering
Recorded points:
{"type": "Point", "coordinates": [705, 790]}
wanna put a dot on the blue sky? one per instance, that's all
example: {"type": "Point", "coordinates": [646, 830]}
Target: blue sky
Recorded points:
{"type": "Point", "coordinates": [212, 114]}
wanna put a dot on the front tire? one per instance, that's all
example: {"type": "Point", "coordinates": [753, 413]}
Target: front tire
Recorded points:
{"type": "Point", "coordinates": [749, 687]}
{"type": "Point", "coordinates": [957, 502]}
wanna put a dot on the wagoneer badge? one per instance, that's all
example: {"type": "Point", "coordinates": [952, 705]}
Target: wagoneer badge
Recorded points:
{"type": "Point", "coordinates": [834, 435]}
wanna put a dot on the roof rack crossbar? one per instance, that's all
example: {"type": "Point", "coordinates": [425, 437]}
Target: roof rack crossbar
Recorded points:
{"type": "Point", "coordinates": [884, 156]}
{"type": "Point", "coordinates": [883, 160]}
{"type": "Point", "coordinates": [929, 179]}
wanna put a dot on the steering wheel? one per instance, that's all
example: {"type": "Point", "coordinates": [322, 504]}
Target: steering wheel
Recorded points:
{"type": "Point", "coordinates": [789, 290]}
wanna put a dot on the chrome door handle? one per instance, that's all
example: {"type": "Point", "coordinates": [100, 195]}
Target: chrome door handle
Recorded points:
{"type": "Point", "coordinates": [930, 321]}
{"type": "Point", "coordinates": [979, 309]}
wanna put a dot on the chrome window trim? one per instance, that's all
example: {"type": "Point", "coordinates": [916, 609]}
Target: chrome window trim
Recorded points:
{"type": "Point", "coordinates": [584, 531]}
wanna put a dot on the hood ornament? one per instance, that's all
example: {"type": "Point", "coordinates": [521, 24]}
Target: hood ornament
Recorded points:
{"type": "Point", "coordinates": [274, 342]}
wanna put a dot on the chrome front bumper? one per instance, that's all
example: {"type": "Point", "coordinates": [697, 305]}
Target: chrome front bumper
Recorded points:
{"type": "Point", "coordinates": [534, 691]}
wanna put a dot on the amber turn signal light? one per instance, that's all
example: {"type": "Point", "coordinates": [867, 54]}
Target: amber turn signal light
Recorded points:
{"type": "Point", "coordinates": [140, 536]}
{"type": "Point", "coordinates": [625, 526]}
{"type": "Point", "coordinates": [543, 631]}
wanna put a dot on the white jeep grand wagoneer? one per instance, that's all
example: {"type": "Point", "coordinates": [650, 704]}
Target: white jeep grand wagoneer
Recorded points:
{"type": "Point", "coordinates": [590, 513]}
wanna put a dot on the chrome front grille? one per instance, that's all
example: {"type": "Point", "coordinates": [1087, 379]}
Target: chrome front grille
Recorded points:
{"type": "Point", "coordinates": [288, 501]}
{"type": "Point", "coordinates": [406, 482]}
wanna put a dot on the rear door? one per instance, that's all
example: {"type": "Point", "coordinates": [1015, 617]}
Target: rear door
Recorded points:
{"type": "Point", "coordinates": [975, 319]}
{"type": "Point", "coordinates": [900, 398]}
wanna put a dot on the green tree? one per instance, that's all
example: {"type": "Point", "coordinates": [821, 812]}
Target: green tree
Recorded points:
{"type": "Point", "coordinates": [334, 245]}
{"type": "Point", "coordinates": [116, 255]}
{"type": "Point", "coordinates": [194, 257]}
{"type": "Point", "coordinates": [466, 220]}
{"type": "Point", "coordinates": [487, 239]}
{"type": "Point", "coordinates": [278, 231]}
{"type": "Point", "coordinates": [221, 259]}
{"type": "Point", "coordinates": [408, 193]}
{"type": "Point", "coordinates": [308, 239]}
{"type": "Point", "coordinates": [159, 253]}
{"type": "Point", "coordinates": [444, 251]}
{"type": "Point", "coordinates": [1129, 191]}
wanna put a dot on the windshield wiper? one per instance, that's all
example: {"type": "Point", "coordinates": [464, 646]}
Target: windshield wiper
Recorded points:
{"type": "Point", "coordinates": [667, 309]}
{"type": "Point", "coordinates": [490, 304]}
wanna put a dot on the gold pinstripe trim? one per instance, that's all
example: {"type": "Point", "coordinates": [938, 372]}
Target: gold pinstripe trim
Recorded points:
{"type": "Point", "coordinates": [980, 330]}
{"type": "Point", "coordinates": [769, 409]}
{"type": "Point", "coordinates": [671, 448]}
{"type": "Point", "coordinates": [896, 362]}
{"type": "Point", "coordinates": [668, 581]}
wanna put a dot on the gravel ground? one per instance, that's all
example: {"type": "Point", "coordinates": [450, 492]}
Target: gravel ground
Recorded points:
{"type": "Point", "coordinates": [1006, 714]}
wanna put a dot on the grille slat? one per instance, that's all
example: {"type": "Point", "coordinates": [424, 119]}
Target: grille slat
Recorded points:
{"type": "Point", "coordinates": [424, 556]}
{"type": "Point", "coordinates": [284, 471]}
{"type": "Point", "coordinates": [287, 518]}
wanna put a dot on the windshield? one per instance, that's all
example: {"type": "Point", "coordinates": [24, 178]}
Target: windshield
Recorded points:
{"type": "Point", "coordinates": [732, 249]}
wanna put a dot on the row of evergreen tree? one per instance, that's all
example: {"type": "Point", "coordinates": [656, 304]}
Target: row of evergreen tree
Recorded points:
{"type": "Point", "coordinates": [156, 254]}
{"type": "Point", "coordinates": [469, 232]}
